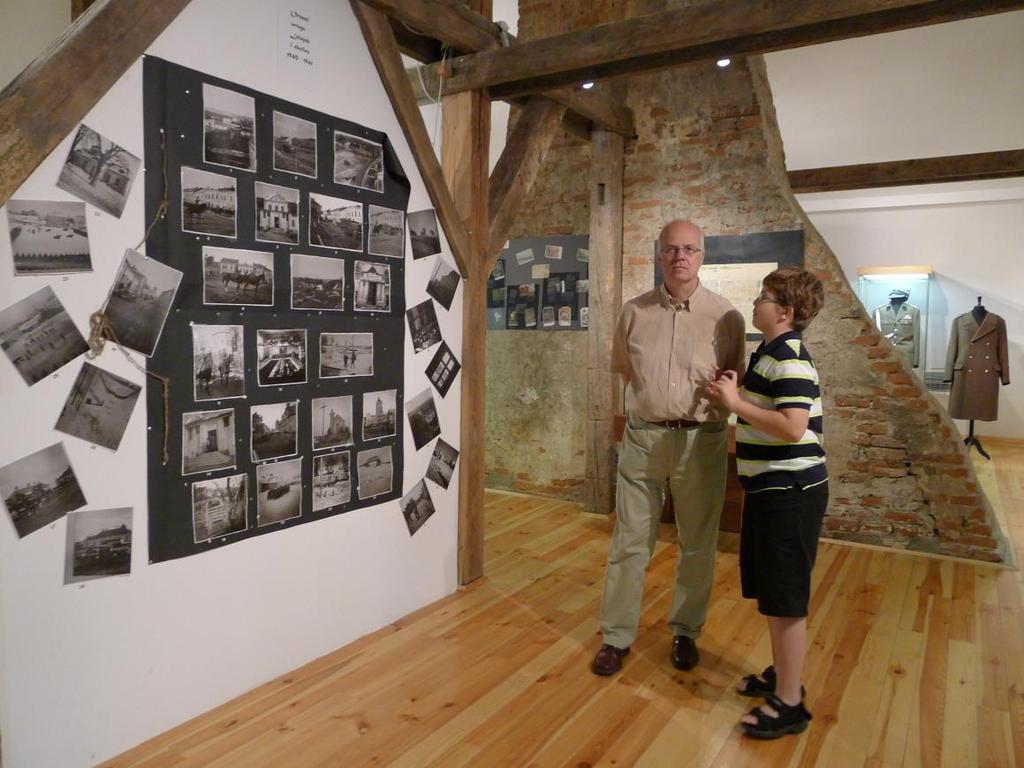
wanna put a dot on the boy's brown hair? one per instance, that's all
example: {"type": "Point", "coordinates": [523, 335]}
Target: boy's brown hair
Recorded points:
{"type": "Point", "coordinates": [797, 288]}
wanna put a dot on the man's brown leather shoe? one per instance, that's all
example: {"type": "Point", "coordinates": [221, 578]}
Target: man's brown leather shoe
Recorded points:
{"type": "Point", "coordinates": [684, 652]}
{"type": "Point", "coordinates": [608, 660]}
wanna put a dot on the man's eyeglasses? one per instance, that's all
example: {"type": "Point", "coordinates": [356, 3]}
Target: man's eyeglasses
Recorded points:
{"type": "Point", "coordinates": [675, 250]}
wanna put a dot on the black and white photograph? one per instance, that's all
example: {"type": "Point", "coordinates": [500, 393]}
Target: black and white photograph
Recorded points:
{"type": "Point", "coordinates": [379, 414]}
{"type": "Point", "coordinates": [358, 162]}
{"type": "Point", "coordinates": [219, 507]}
{"type": "Point", "coordinates": [387, 232]}
{"type": "Point", "coordinates": [444, 281]}
{"type": "Point", "coordinates": [583, 254]}
{"type": "Point", "coordinates": [346, 354]}
{"type": "Point", "coordinates": [332, 422]}
{"type": "Point", "coordinates": [218, 362]}
{"type": "Point", "coordinates": [335, 222]}
{"type": "Point", "coordinates": [98, 544]}
{"type": "Point", "coordinates": [332, 480]}
{"type": "Point", "coordinates": [139, 300]}
{"type": "Point", "coordinates": [443, 369]}
{"type": "Point", "coordinates": [229, 128]}
{"type": "Point", "coordinates": [553, 252]}
{"type": "Point", "coordinates": [279, 491]}
{"type": "Point", "coordinates": [39, 489]}
{"type": "Point", "coordinates": [498, 273]}
{"type": "Point", "coordinates": [48, 237]}
{"type": "Point", "coordinates": [294, 145]}
{"type": "Point", "coordinates": [547, 316]}
{"type": "Point", "coordinates": [417, 507]}
{"type": "Point", "coordinates": [238, 277]}
{"type": "Point", "coordinates": [524, 257]}
{"type": "Point", "coordinates": [208, 441]}
{"type": "Point", "coordinates": [442, 463]}
{"type": "Point", "coordinates": [530, 317]}
{"type": "Point", "coordinates": [564, 317]}
{"type": "Point", "coordinates": [375, 471]}
{"type": "Point", "coordinates": [423, 421]}
{"type": "Point", "coordinates": [371, 289]}
{"type": "Point", "coordinates": [281, 357]}
{"type": "Point", "coordinates": [584, 317]}
{"type": "Point", "coordinates": [98, 171]}
{"type": "Point", "coordinates": [277, 213]}
{"type": "Point", "coordinates": [423, 327]}
{"type": "Point", "coordinates": [98, 407]}
{"type": "Point", "coordinates": [274, 430]}
{"type": "Point", "coordinates": [318, 282]}
{"type": "Point", "coordinates": [38, 336]}
{"type": "Point", "coordinates": [496, 318]}
{"type": "Point", "coordinates": [209, 203]}
{"type": "Point", "coordinates": [423, 236]}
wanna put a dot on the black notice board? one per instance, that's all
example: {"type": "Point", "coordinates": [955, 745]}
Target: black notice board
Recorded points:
{"type": "Point", "coordinates": [173, 106]}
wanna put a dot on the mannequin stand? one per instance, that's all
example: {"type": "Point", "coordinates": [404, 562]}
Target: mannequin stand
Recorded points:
{"type": "Point", "coordinates": [976, 442]}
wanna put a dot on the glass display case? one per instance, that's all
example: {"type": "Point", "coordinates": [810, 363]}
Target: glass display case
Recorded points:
{"type": "Point", "coordinates": [897, 300]}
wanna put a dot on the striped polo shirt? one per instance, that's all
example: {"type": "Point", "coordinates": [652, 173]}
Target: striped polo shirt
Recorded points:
{"type": "Point", "coordinates": [781, 375]}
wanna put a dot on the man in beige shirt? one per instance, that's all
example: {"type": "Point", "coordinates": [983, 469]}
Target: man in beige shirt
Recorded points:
{"type": "Point", "coordinates": [669, 343]}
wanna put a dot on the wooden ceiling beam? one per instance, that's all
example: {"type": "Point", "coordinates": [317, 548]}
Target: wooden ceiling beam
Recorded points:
{"type": "Point", "coordinates": [701, 33]}
{"type": "Point", "coordinates": [898, 173]}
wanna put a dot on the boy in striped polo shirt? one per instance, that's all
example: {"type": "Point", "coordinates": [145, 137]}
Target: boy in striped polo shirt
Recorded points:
{"type": "Point", "coordinates": [781, 465]}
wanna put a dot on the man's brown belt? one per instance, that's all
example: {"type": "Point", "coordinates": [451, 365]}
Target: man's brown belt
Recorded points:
{"type": "Point", "coordinates": [676, 424]}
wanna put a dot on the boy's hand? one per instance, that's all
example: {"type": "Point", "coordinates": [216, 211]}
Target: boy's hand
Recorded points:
{"type": "Point", "coordinates": [725, 389]}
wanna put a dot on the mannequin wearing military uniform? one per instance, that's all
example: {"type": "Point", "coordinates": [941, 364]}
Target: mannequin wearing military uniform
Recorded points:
{"type": "Point", "coordinates": [976, 361]}
{"type": "Point", "coordinates": [900, 323]}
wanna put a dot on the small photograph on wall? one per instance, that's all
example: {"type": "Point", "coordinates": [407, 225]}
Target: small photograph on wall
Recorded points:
{"type": "Point", "coordinates": [423, 235]}
{"type": "Point", "coordinates": [358, 162]}
{"type": "Point", "coordinates": [583, 254]}
{"type": "Point", "coordinates": [444, 281]}
{"type": "Point", "coordinates": [279, 492]}
{"type": "Point", "coordinates": [335, 223]}
{"type": "Point", "coordinates": [332, 422]}
{"type": "Point", "coordinates": [98, 544]}
{"type": "Point", "coordinates": [48, 237]}
{"type": "Point", "coordinates": [423, 421]}
{"type": "Point", "coordinates": [277, 213]}
{"type": "Point", "coordinates": [139, 300]}
{"type": "Point", "coordinates": [219, 507]}
{"type": "Point", "coordinates": [530, 317]}
{"type": "Point", "coordinates": [39, 489]}
{"type": "Point", "coordinates": [375, 472]}
{"type": "Point", "coordinates": [98, 171]}
{"type": "Point", "coordinates": [553, 252]}
{"type": "Point", "coordinates": [584, 317]}
{"type": "Point", "coordinates": [379, 414]}
{"type": "Point", "coordinates": [294, 145]}
{"type": "Point", "coordinates": [495, 318]}
{"type": "Point", "coordinates": [497, 276]}
{"type": "Point", "coordinates": [524, 257]}
{"type": "Point", "coordinates": [98, 407]}
{"type": "Point", "coordinates": [218, 362]}
{"type": "Point", "coordinates": [547, 315]}
{"type": "Point", "coordinates": [281, 356]}
{"type": "Point", "coordinates": [237, 277]}
{"type": "Point", "coordinates": [564, 317]}
{"type": "Point", "coordinates": [318, 282]}
{"type": "Point", "coordinates": [442, 463]}
{"type": "Point", "coordinates": [371, 287]}
{"type": "Point", "coordinates": [208, 441]}
{"type": "Point", "coordinates": [332, 480]}
{"type": "Point", "coordinates": [274, 430]}
{"type": "Point", "coordinates": [209, 202]}
{"type": "Point", "coordinates": [423, 325]}
{"type": "Point", "coordinates": [38, 336]}
{"type": "Point", "coordinates": [346, 354]}
{"type": "Point", "coordinates": [443, 369]}
{"type": "Point", "coordinates": [387, 232]}
{"type": "Point", "coordinates": [417, 507]}
{"type": "Point", "coordinates": [229, 128]}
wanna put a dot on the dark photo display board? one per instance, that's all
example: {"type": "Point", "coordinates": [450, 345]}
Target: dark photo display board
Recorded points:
{"type": "Point", "coordinates": [285, 343]}
{"type": "Point", "coordinates": [519, 300]}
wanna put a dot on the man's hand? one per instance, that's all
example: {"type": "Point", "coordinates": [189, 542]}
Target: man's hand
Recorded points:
{"type": "Point", "coordinates": [725, 389]}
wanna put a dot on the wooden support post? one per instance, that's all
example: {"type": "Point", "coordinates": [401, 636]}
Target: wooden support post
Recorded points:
{"type": "Point", "coordinates": [603, 386]}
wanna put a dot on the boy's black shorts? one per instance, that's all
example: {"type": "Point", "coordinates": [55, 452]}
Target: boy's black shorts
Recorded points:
{"type": "Point", "coordinates": [778, 544]}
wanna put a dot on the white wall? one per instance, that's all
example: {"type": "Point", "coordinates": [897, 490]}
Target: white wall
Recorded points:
{"type": "Point", "coordinates": [87, 671]}
{"type": "Point", "coordinates": [973, 237]}
{"type": "Point", "coordinates": [27, 27]}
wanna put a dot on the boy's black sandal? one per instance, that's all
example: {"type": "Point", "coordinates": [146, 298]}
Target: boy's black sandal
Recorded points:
{"type": "Point", "coordinates": [793, 719]}
{"type": "Point", "coordinates": [759, 686]}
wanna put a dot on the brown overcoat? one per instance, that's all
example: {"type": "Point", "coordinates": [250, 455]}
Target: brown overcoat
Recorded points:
{"type": "Point", "coordinates": [976, 361]}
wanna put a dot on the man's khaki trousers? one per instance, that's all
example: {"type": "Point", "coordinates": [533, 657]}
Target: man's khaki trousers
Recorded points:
{"type": "Point", "coordinates": [694, 462]}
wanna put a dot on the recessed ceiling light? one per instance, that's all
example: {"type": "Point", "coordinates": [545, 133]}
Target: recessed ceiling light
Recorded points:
{"type": "Point", "coordinates": [724, 62]}
{"type": "Point", "coordinates": [588, 85]}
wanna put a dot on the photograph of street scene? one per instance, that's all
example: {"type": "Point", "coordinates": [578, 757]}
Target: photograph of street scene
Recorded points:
{"type": "Point", "coordinates": [444, 281]}
{"type": "Point", "coordinates": [274, 432]}
{"type": "Point", "coordinates": [294, 145]}
{"type": "Point", "coordinates": [280, 491]}
{"type": "Point", "coordinates": [318, 282]}
{"type": "Point", "coordinates": [346, 354]}
{"type": "Point", "coordinates": [38, 336]}
{"type": "Point", "coordinates": [139, 301]}
{"type": "Point", "coordinates": [387, 232]}
{"type": "Point", "coordinates": [282, 357]}
{"type": "Point", "coordinates": [98, 171]}
{"type": "Point", "coordinates": [209, 202]}
{"type": "Point", "coordinates": [358, 162]}
{"type": "Point", "coordinates": [229, 134]}
{"type": "Point", "coordinates": [98, 544]}
{"type": "Point", "coordinates": [379, 414]}
{"type": "Point", "coordinates": [442, 463]}
{"type": "Point", "coordinates": [39, 489]}
{"type": "Point", "coordinates": [332, 480]}
{"type": "Point", "coordinates": [423, 233]}
{"type": "Point", "coordinates": [219, 507]}
{"type": "Point", "coordinates": [218, 362]}
{"type": "Point", "coordinates": [98, 407]}
{"type": "Point", "coordinates": [48, 238]}
{"type": "Point", "coordinates": [207, 441]}
{"type": "Point", "coordinates": [235, 276]}
{"type": "Point", "coordinates": [371, 289]}
{"type": "Point", "coordinates": [332, 421]}
{"type": "Point", "coordinates": [277, 213]}
{"type": "Point", "coordinates": [335, 223]}
{"type": "Point", "coordinates": [423, 420]}
{"type": "Point", "coordinates": [417, 507]}
{"type": "Point", "coordinates": [375, 472]}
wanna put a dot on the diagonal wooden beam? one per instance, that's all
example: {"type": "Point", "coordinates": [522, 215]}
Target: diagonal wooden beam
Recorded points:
{"type": "Point", "coordinates": [899, 173]}
{"type": "Point", "coordinates": [700, 33]}
{"type": "Point", "coordinates": [518, 166]}
{"type": "Point", "coordinates": [46, 101]}
{"type": "Point", "coordinates": [384, 49]}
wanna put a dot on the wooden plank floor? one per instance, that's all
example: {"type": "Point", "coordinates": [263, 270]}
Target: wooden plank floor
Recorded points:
{"type": "Point", "coordinates": [913, 661]}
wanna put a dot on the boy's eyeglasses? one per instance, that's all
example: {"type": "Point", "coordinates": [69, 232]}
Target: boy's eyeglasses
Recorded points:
{"type": "Point", "coordinates": [761, 298]}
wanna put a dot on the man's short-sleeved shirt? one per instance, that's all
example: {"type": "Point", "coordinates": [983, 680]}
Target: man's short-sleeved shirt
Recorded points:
{"type": "Point", "coordinates": [781, 375]}
{"type": "Point", "coordinates": [671, 349]}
